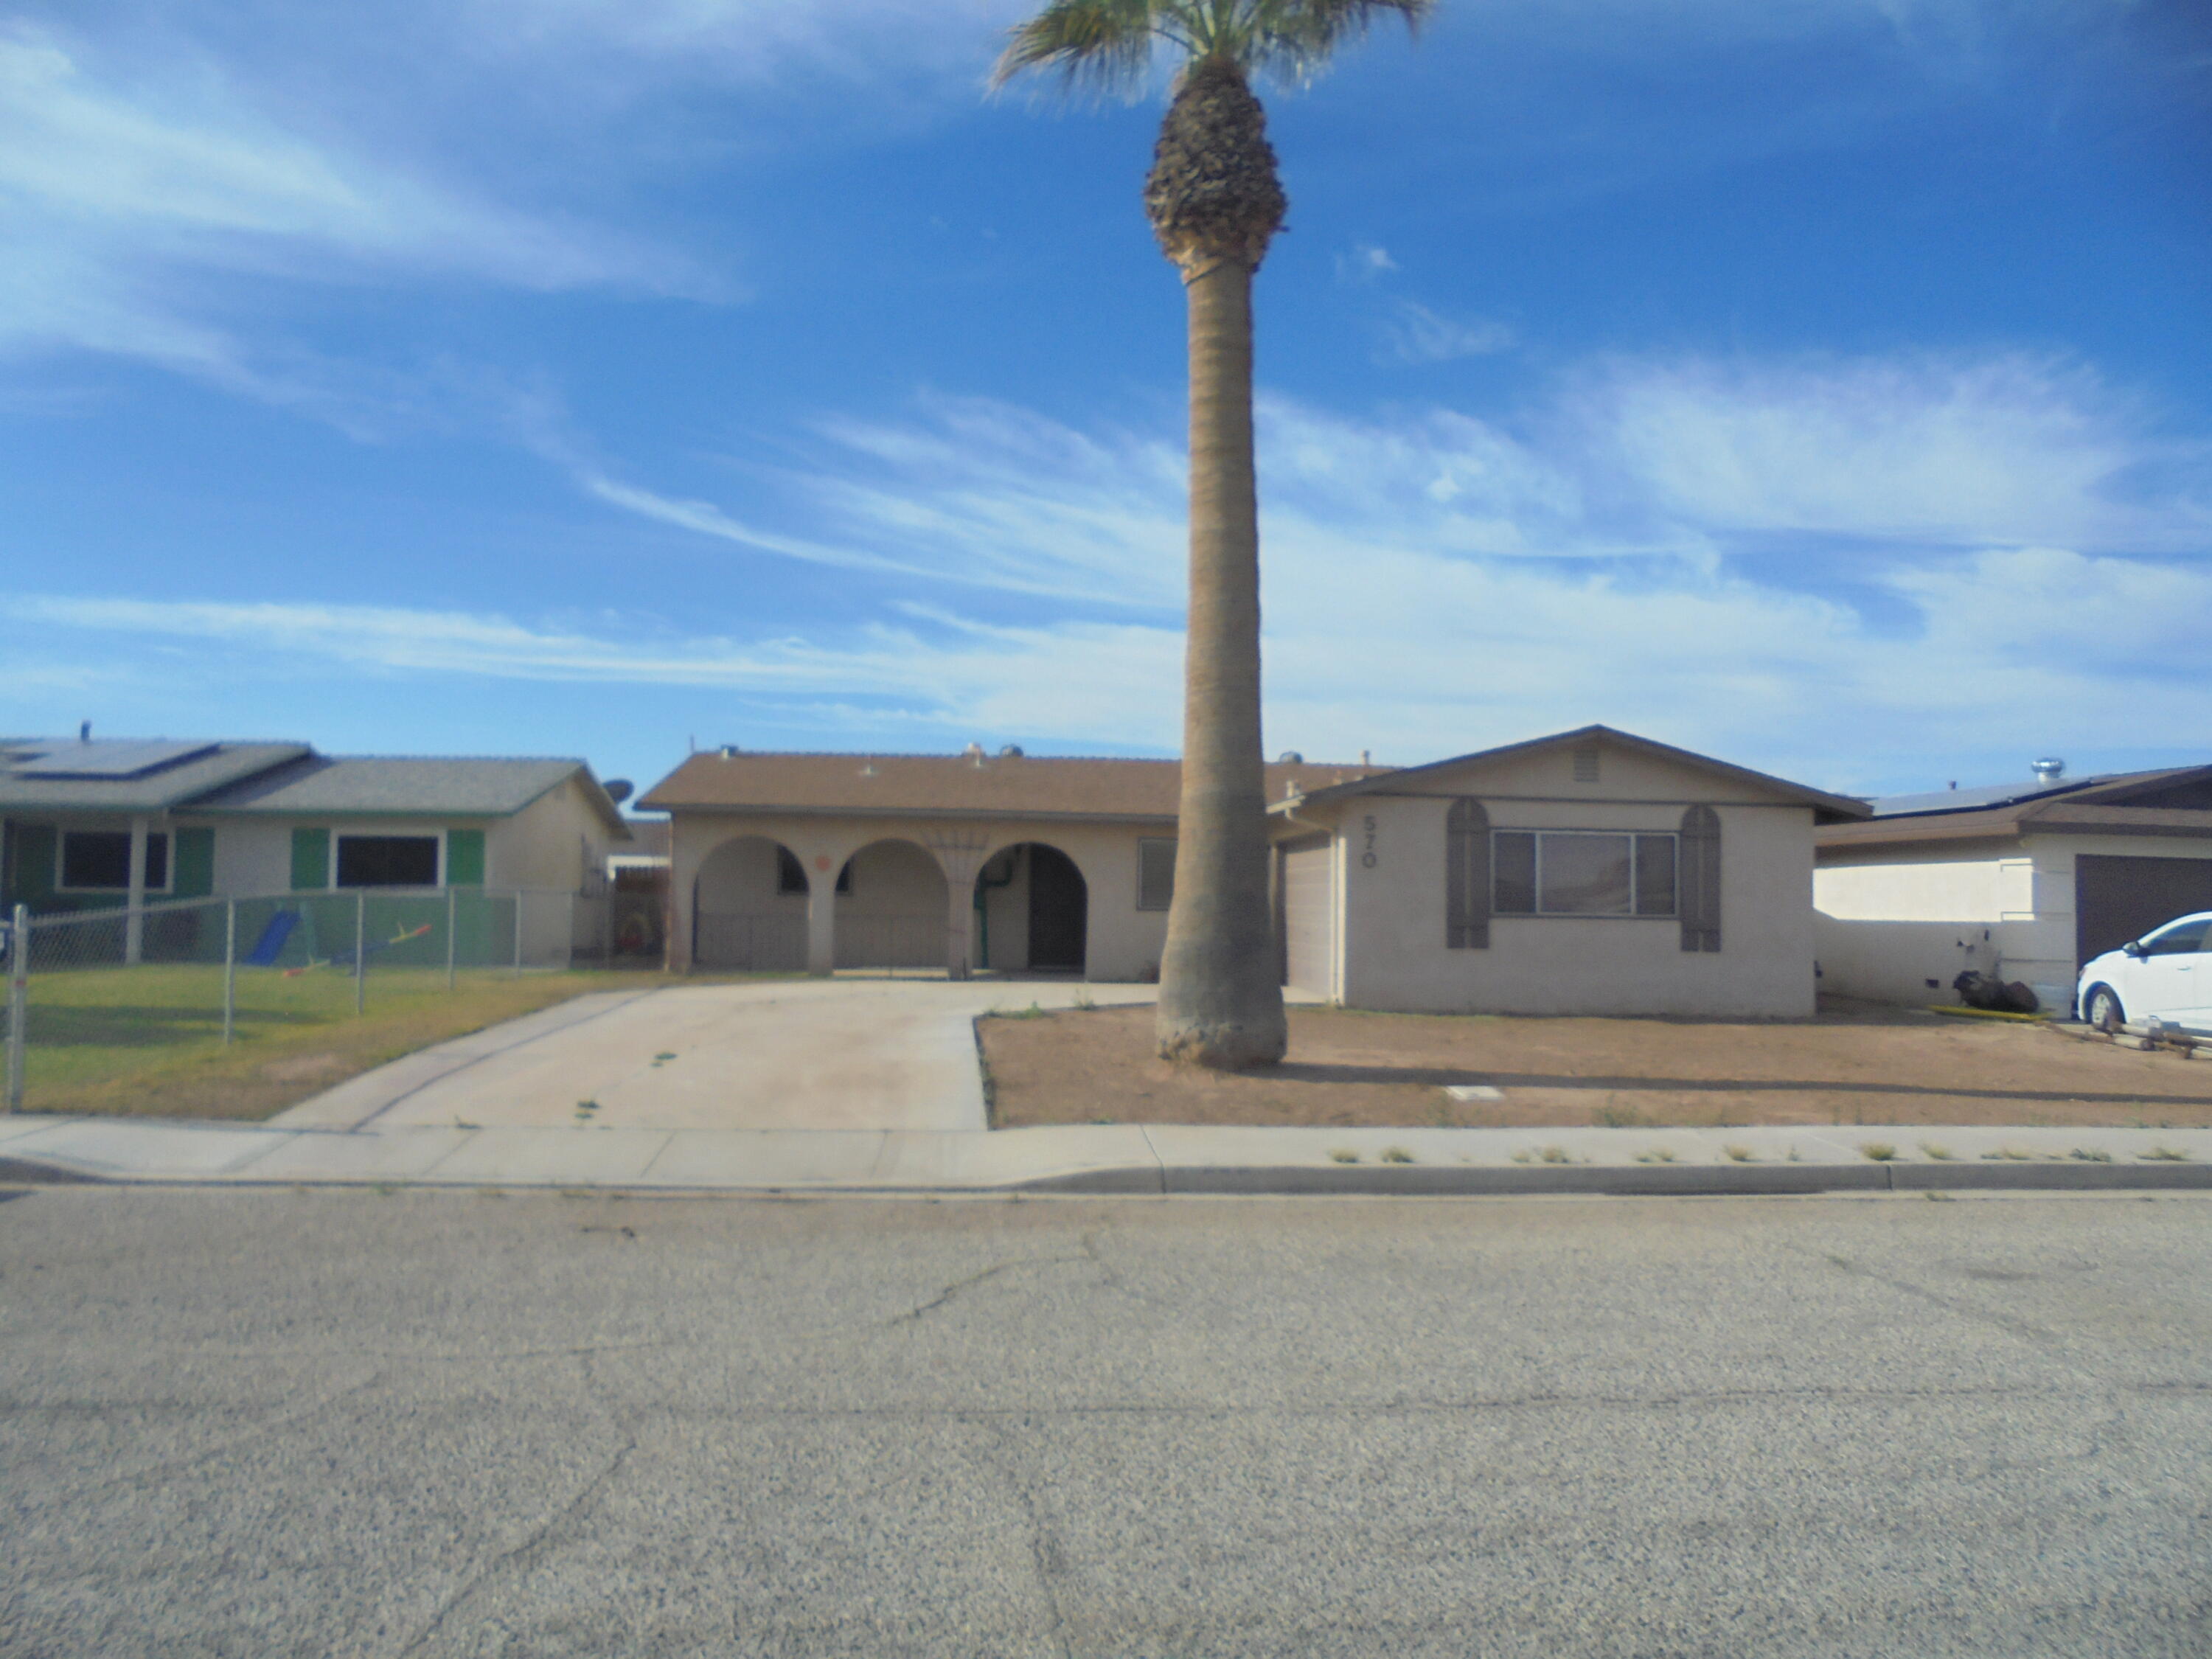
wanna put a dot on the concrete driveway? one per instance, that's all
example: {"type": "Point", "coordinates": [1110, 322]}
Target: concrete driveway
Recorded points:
{"type": "Point", "coordinates": [841, 1053]}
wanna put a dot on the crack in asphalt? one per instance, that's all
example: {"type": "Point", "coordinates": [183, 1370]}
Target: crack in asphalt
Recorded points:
{"type": "Point", "coordinates": [521, 1556]}
{"type": "Point", "coordinates": [954, 1289]}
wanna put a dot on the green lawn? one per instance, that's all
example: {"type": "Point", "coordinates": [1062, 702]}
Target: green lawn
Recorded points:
{"type": "Point", "coordinates": [149, 1041]}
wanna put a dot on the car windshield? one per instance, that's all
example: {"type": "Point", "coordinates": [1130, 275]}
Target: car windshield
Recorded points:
{"type": "Point", "coordinates": [2181, 939]}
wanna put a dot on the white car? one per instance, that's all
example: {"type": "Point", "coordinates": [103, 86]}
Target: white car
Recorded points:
{"type": "Point", "coordinates": [2167, 974]}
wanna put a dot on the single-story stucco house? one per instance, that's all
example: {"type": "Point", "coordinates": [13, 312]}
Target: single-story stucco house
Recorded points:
{"type": "Point", "coordinates": [1589, 872]}
{"type": "Point", "coordinates": [2021, 882]}
{"type": "Point", "coordinates": [1005, 862]}
{"type": "Point", "coordinates": [1592, 872]}
{"type": "Point", "coordinates": [100, 823]}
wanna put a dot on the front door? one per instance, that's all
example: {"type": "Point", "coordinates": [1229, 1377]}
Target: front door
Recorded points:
{"type": "Point", "coordinates": [1058, 901]}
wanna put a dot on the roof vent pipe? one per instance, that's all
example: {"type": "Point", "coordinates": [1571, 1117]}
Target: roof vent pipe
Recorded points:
{"type": "Point", "coordinates": [1010, 751]}
{"type": "Point", "coordinates": [2049, 770]}
{"type": "Point", "coordinates": [1290, 757]}
{"type": "Point", "coordinates": [84, 732]}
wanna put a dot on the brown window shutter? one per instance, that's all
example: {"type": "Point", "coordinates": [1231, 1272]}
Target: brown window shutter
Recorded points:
{"type": "Point", "coordinates": [1466, 877]}
{"type": "Point", "coordinates": [1700, 879]}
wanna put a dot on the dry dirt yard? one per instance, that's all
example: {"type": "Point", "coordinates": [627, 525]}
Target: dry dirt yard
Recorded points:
{"type": "Point", "coordinates": [1851, 1064]}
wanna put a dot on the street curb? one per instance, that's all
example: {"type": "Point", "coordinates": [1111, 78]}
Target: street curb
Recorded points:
{"type": "Point", "coordinates": [1291, 1181]}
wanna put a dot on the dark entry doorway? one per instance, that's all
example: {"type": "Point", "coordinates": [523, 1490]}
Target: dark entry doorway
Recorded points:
{"type": "Point", "coordinates": [1059, 901]}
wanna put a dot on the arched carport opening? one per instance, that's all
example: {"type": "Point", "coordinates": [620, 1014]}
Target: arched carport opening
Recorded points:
{"type": "Point", "coordinates": [749, 908]}
{"type": "Point", "coordinates": [891, 907]}
{"type": "Point", "coordinates": [1032, 911]}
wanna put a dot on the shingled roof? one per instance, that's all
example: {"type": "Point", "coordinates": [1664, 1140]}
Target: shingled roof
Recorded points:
{"type": "Point", "coordinates": [407, 786]}
{"type": "Point", "coordinates": [950, 786]}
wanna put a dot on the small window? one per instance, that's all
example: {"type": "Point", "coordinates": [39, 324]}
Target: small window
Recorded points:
{"type": "Point", "coordinates": [1156, 856]}
{"type": "Point", "coordinates": [99, 861]}
{"type": "Point", "coordinates": [1582, 873]}
{"type": "Point", "coordinates": [387, 861]}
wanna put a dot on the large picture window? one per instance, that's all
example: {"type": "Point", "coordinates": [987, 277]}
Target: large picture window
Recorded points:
{"type": "Point", "coordinates": [387, 861]}
{"type": "Point", "coordinates": [99, 861]}
{"type": "Point", "coordinates": [1582, 873]}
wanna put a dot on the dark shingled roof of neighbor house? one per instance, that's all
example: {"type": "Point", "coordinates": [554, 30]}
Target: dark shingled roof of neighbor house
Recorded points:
{"type": "Point", "coordinates": [397, 786]}
{"type": "Point", "coordinates": [106, 774]}
{"type": "Point", "coordinates": [950, 786]}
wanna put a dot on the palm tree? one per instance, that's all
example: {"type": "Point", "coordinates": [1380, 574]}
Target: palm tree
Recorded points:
{"type": "Point", "coordinates": [1215, 203]}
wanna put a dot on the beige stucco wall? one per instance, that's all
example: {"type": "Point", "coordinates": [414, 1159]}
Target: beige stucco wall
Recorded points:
{"type": "Point", "coordinates": [1393, 952]}
{"type": "Point", "coordinates": [1890, 919]}
{"type": "Point", "coordinates": [1122, 943]}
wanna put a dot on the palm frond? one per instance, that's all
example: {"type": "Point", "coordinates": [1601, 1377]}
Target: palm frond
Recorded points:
{"type": "Point", "coordinates": [1103, 46]}
{"type": "Point", "coordinates": [1106, 46]}
{"type": "Point", "coordinates": [1295, 39]}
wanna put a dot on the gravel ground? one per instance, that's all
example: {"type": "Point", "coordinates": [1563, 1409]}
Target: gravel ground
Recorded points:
{"type": "Point", "coordinates": [1853, 1065]}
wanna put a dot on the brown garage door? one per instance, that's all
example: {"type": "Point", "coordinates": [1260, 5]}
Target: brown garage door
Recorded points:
{"type": "Point", "coordinates": [2117, 899]}
{"type": "Point", "coordinates": [1309, 916]}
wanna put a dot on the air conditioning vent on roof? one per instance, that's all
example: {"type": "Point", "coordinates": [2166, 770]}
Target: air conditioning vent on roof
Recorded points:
{"type": "Point", "coordinates": [2049, 770]}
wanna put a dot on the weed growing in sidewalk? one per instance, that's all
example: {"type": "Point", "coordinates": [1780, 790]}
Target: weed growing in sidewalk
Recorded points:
{"type": "Point", "coordinates": [1879, 1151]}
{"type": "Point", "coordinates": [1397, 1155]}
{"type": "Point", "coordinates": [1740, 1154]}
{"type": "Point", "coordinates": [1656, 1155]}
{"type": "Point", "coordinates": [2166, 1154]}
{"type": "Point", "coordinates": [2091, 1155]}
{"type": "Point", "coordinates": [1941, 1154]}
{"type": "Point", "coordinates": [1343, 1155]}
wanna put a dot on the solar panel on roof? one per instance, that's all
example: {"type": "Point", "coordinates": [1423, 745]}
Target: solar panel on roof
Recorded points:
{"type": "Point", "coordinates": [119, 757]}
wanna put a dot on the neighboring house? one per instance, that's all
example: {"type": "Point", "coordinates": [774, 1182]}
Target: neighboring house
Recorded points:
{"type": "Point", "coordinates": [108, 824]}
{"type": "Point", "coordinates": [947, 861]}
{"type": "Point", "coordinates": [2022, 882]}
{"type": "Point", "coordinates": [1590, 872]}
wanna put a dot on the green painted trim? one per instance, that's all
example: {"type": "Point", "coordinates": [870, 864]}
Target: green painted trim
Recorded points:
{"type": "Point", "coordinates": [311, 858]}
{"type": "Point", "coordinates": [464, 858]}
{"type": "Point", "coordinates": [191, 863]}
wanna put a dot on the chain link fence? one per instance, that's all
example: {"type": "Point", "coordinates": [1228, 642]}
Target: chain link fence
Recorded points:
{"type": "Point", "coordinates": [82, 984]}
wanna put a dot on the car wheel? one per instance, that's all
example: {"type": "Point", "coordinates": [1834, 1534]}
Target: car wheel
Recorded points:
{"type": "Point", "coordinates": [2105, 1010]}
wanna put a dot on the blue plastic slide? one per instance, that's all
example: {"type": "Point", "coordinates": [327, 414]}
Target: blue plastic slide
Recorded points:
{"type": "Point", "coordinates": [271, 944]}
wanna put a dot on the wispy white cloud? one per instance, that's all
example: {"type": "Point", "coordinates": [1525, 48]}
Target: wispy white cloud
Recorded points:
{"type": "Point", "coordinates": [127, 198]}
{"type": "Point", "coordinates": [1921, 449]}
{"type": "Point", "coordinates": [1364, 263]}
{"type": "Point", "coordinates": [1416, 334]}
{"type": "Point", "coordinates": [1409, 609]}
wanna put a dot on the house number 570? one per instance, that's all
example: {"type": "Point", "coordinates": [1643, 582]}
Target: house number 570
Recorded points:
{"type": "Point", "coordinates": [1367, 859]}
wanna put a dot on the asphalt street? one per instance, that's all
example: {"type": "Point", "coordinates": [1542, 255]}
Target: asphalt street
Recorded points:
{"type": "Point", "coordinates": [342, 1422]}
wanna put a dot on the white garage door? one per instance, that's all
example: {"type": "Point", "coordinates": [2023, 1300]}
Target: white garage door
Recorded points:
{"type": "Point", "coordinates": [1309, 916]}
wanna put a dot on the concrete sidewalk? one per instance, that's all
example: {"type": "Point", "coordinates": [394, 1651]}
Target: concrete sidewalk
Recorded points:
{"type": "Point", "coordinates": [874, 1086]}
{"type": "Point", "coordinates": [1112, 1158]}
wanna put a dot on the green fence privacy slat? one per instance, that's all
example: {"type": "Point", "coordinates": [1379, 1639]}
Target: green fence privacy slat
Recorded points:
{"type": "Point", "coordinates": [464, 858]}
{"type": "Point", "coordinates": [192, 873]}
{"type": "Point", "coordinates": [310, 859]}
{"type": "Point", "coordinates": [34, 866]}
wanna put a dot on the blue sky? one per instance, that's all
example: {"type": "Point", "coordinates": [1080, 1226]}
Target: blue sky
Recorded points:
{"type": "Point", "coordinates": [1823, 384]}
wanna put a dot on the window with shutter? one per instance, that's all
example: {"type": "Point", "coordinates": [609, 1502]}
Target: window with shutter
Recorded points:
{"type": "Point", "coordinates": [1466, 877]}
{"type": "Point", "coordinates": [1699, 879]}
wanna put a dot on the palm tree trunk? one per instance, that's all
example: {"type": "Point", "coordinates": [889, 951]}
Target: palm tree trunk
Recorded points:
{"type": "Point", "coordinates": [1221, 1001]}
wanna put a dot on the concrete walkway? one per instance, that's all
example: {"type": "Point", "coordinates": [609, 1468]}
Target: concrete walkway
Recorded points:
{"type": "Point", "coordinates": [873, 1086]}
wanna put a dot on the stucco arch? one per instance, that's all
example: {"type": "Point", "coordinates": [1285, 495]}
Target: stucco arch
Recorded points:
{"type": "Point", "coordinates": [891, 906]}
{"type": "Point", "coordinates": [1032, 904]}
{"type": "Point", "coordinates": [743, 911]}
